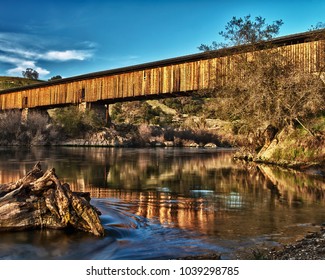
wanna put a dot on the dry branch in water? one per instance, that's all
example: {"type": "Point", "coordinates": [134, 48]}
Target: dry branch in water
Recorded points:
{"type": "Point", "coordinates": [39, 200]}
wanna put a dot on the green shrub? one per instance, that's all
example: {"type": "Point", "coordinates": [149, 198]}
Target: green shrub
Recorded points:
{"type": "Point", "coordinates": [75, 122]}
{"type": "Point", "coordinates": [139, 112]}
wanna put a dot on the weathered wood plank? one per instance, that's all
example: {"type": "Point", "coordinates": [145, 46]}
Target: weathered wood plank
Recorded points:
{"type": "Point", "coordinates": [181, 76]}
{"type": "Point", "coordinates": [39, 200]}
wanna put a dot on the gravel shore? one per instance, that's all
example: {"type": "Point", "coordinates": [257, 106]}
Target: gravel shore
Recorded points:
{"type": "Point", "coordinates": [311, 247]}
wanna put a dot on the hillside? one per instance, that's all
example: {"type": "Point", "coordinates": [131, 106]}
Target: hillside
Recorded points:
{"type": "Point", "coordinates": [12, 82]}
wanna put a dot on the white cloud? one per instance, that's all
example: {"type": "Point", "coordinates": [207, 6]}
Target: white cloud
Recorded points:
{"type": "Point", "coordinates": [19, 69]}
{"type": "Point", "coordinates": [10, 60]}
{"type": "Point", "coordinates": [49, 55]}
{"type": "Point", "coordinates": [23, 51]}
{"type": "Point", "coordinates": [66, 55]}
{"type": "Point", "coordinates": [22, 65]}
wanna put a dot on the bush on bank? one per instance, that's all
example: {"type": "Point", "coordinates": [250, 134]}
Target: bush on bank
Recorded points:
{"type": "Point", "coordinates": [36, 130]}
{"type": "Point", "coordinates": [293, 144]}
{"type": "Point", "coordinates": [73, 122]}
{"type": "Point", "coordinates": [41, 129]}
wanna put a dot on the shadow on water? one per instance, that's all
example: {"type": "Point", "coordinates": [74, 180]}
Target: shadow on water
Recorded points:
{"type": "Point", "coordinates": [167, 203]}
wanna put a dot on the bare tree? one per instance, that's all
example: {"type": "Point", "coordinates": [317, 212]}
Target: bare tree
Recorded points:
{"type": "Point", "coordinates": [269, 90]}
{"type": "Point", "coordinates": [263, 86]}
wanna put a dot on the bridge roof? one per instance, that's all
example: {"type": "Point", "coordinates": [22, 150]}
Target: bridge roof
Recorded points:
{"type": "Point", "coordinates": [284, 40]}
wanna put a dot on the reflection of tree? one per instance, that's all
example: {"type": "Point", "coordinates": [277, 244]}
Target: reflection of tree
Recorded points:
{"type": "Point", "coordinates": [294, 185]}
{"type": "Point", "coordinates": [167, 169]}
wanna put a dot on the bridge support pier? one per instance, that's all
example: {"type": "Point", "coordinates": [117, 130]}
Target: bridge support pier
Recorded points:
{"type": "Point", "coordinates": [24, 115]}
{"type": "Point", "coordinates": [100, 109]}
{"type": "Point", "coordinates": [26, 112]}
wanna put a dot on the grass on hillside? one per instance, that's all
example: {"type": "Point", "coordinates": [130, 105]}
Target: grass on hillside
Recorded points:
{"type": "Point", "coordinates": [13, 82]}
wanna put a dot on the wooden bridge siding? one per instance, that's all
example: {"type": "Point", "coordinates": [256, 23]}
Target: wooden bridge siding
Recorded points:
{"type": "Point", "coordinates": [309, 56]}
{"type": "Point", "coordinates": [169, 79]}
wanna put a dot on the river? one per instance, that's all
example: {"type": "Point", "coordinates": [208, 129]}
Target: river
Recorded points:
{"type": "Point", "coordinates": [168, 203]}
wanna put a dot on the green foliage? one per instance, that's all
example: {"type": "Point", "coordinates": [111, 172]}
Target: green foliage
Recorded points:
{"type": "Point", "coordinates": [242, 31]}
{"type": "Point", "coordinates": [116, 113]}
{"type": "Point", "coordinates": [296, 144]}
{"type": "Point", "coordinates": [317, 124]}
{"type": "Point", "coordinates": [299, 154]}
{"type": "Point", "coordinates": [318, 26]}
{"type": "Point", "coordinates": [174, 103]}
{"type": "Point", "coordinates": [191, 105]}
{"type": "Point", "coordinates": [12, 82]}
{"type": "Point", "coordinates": [75, 122]}
{"type": "Point", "coordinates": [30, 74]}
{"type": "Point", "coordinates": [139, 112]}
{"type": "Point", "coordinates": [57, 77]}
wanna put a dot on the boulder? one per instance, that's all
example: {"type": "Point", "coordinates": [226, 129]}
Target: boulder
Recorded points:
{"type": "Point", "coordinates": [210, 145]}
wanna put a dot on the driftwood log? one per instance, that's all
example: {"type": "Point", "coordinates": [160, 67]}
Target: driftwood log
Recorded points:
{"type": "Point", "coordinates": [39, 200]}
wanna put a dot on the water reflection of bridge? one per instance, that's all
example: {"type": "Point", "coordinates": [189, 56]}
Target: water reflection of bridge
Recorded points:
{"type": "Point", "coordinates": [191, 191]}
{"type": "Point", "coordinates": [205, 211]}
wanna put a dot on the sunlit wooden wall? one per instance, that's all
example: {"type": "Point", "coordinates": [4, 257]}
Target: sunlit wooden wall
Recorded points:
{"type": "Point", "coordinates": [191, 74]}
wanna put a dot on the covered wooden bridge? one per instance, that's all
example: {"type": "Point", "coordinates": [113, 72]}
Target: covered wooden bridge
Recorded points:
{"type": "Point", "coordinates": [160, 79]}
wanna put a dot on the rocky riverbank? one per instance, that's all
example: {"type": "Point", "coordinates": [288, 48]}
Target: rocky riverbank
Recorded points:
{"type": "Point", "coordinates": [147, 136]}
{"type": "Point", "coordinates": [311, 247]}
{"type": "Point", "coordinates": [292, 147]}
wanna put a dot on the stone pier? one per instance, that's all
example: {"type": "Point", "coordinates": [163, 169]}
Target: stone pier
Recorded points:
{"type": "Point", "coordinates": [102, 110]}
{"type": "Point", "coordinates": [26, 112]}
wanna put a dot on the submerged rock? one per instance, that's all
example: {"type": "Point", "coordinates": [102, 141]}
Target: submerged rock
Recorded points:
{"type": "Point", "coordinates": [39, 200]}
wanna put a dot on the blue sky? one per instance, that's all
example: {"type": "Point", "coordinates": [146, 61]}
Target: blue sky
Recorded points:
{"type": "Point", "coordinates": [70, 37]}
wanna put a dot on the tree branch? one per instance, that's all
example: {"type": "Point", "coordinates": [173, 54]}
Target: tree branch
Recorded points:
{"type": "Point", "coordinates": [304, 127]}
